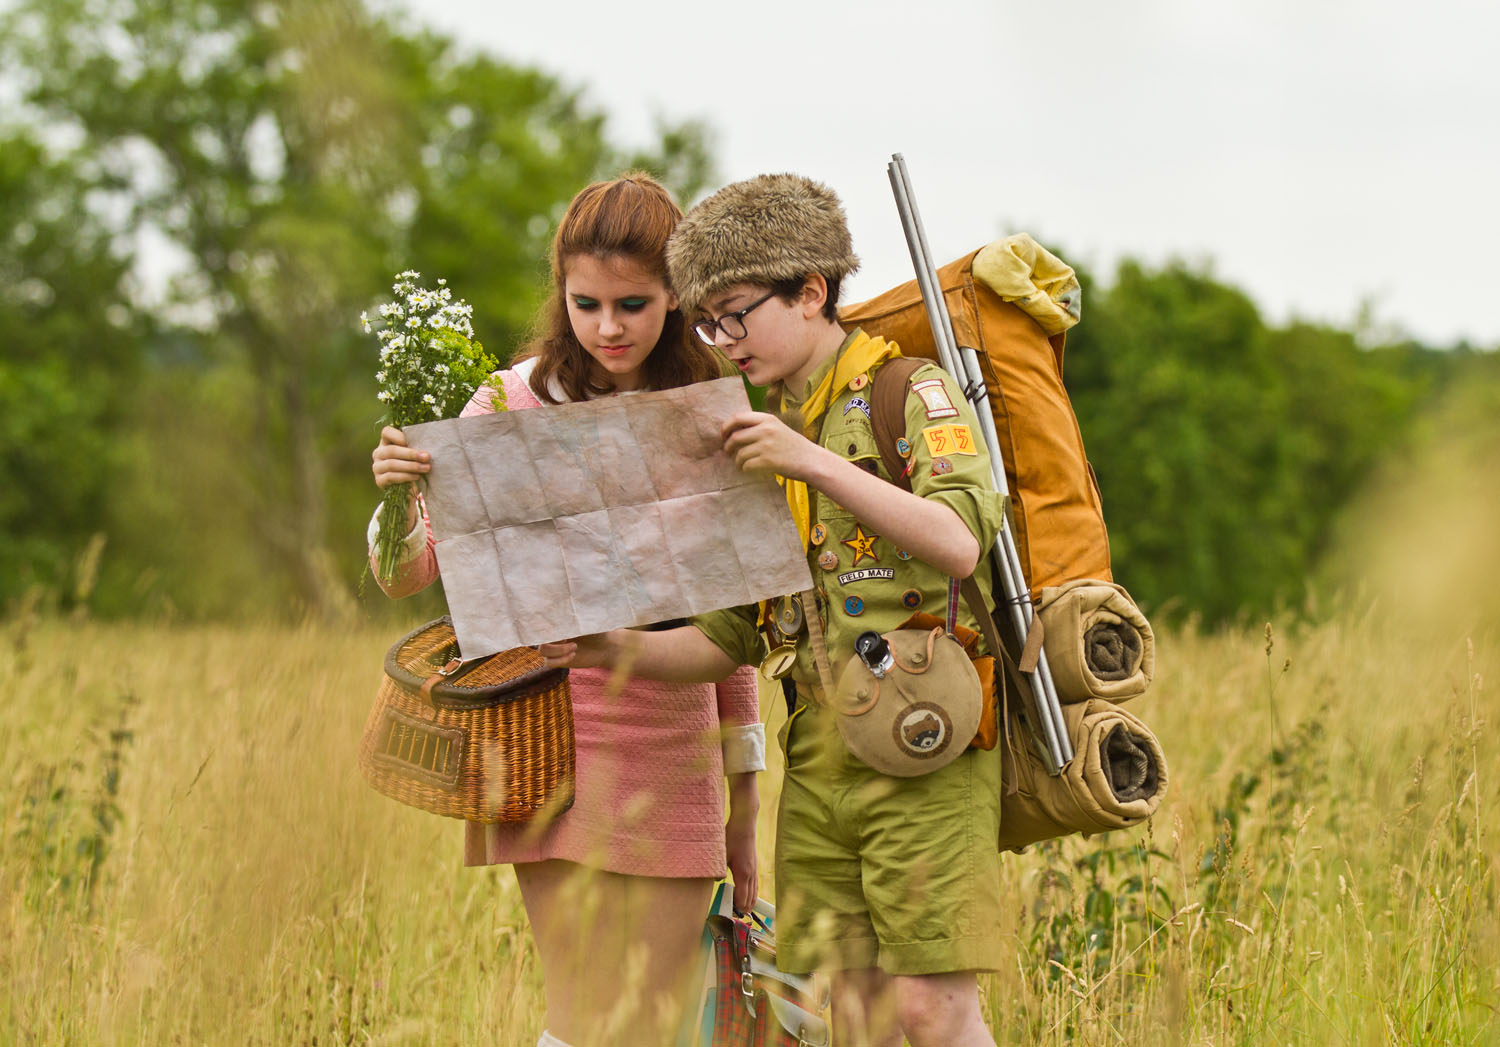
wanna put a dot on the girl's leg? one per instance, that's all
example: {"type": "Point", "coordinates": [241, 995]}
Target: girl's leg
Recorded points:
{"type": "Point", "coordinates": [617, 951]}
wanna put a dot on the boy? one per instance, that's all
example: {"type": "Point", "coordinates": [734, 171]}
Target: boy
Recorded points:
{"type": "Point", "coordinates": [889, 883]}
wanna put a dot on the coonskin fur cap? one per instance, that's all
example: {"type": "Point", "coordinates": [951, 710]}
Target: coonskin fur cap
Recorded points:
{"type": "Point", "coordinates": [768, 228]}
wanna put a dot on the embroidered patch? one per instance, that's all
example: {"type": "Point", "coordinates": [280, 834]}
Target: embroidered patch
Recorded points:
{"type": "Point", "coordinates": [941, 467]}
{"type": "Point", "coordinates": [853, 605]}
{"type": "Point", "coordinates": [819, 534]}
{"type": "Point", "coordinates": [858, 382]}
{"type": "Point", "coordinates": [862, 544]}
{"type": "Point", "coordinates": [922, 730]}
{"type": "Point", "coordinates": [949, 439]}
{"type": "Point", "coordinates": [902, 554]}
{"type": "Point", "coordinates": [903, 446]}
{"type": "Point", "coordinates": [860, 403]}
{"type": "Point", "coordinates": [935, 398]}
{"type": "Point", "coordinates": [911, 599]}
{"type": "Point", "coordinates": [866, 573]}
{"type": "Point", "coordinates": [828, 560]}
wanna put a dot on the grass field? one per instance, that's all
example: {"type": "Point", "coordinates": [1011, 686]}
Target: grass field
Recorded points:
{"type": "Point", "coordinates": [189, 856]}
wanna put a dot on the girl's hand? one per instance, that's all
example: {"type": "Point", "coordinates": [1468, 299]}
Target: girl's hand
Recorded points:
{"type": "Point", "coordinates": [739, 839]}
{"type": "Point", "coordinates": [395, 463]}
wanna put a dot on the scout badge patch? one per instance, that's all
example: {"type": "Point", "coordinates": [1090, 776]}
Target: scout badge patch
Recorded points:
{"type": "Point", "coordinates": [908, 702]}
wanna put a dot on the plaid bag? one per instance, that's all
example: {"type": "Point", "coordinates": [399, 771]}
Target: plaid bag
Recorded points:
{"type": "Point", "coordinates": [745, 1000]}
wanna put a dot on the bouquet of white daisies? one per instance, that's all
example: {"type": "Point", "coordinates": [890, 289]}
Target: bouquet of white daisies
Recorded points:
{"type": "Point", "coordinates": [430, 366]}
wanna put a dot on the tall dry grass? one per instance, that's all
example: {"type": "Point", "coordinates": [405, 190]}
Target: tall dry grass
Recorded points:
{"type": "Point", "coordinates": [188, 855]}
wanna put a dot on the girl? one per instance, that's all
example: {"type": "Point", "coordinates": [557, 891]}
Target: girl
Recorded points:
{"type": "Point", "coordinates": [618, 886]}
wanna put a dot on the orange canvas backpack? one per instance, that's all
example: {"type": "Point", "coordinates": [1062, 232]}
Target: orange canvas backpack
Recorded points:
{"type": "Point", "coordinates": [1057, 515]}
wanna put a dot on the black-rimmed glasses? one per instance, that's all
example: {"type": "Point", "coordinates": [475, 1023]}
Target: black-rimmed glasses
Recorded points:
{"type": "Point", "coordinates": [732, 324]}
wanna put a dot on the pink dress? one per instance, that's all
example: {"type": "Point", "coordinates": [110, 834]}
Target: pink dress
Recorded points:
{"type": "Point", "coordinates": [650, 786]}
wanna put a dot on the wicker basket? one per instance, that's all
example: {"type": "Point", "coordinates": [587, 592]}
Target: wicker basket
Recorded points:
{"type": "Point", "coordinates": [491, 741]}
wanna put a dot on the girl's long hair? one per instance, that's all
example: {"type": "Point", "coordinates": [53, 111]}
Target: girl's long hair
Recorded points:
{"type": "Point", "coordinates": [630, 217]}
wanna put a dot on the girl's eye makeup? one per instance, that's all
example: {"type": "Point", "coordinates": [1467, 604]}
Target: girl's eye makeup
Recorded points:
{"type": "Point", "coordinates": [634, 305]}
{"type": "Point", "coordinates": [584, 303]}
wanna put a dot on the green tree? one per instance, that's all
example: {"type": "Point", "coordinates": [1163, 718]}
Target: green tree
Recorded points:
{"type": "Point", "coordinates": [297, 153]}
{"type": "Point", "coordinates": [67, 355]}
{"type": "Point", "coordinates": [1224, 448]}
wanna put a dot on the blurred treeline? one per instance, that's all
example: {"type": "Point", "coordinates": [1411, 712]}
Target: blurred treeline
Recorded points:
{"type": "Point", "coordinates": [202, 450]}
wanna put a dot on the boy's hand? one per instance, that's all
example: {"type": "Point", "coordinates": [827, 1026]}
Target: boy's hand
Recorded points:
{"type": "Point", "coordinates": [764, 443]}
{"type": "Point", "coordinates": [584, 652]}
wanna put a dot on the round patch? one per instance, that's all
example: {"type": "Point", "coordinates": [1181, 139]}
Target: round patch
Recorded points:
{"type": "Point", "coordinates": [941, 467]}
{"type": "Point", "coordinates": [902, 554]}
{"type": "Point", "coordinates": [853, 605]}
{"type": "Point", "coordinates": [922, 730]}
{"type": "Point", "coordinates": [903, 447]}
{"type": "Point", "coordinates": [819, 533]}
{"type": "Point", "coordinates": [828, 560]}
{"type": "Point", "coordinates": [912, 599]}
{"type": "Point", "coordinates": [859, 381]}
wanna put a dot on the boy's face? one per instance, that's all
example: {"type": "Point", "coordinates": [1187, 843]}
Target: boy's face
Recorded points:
{"type": "Point", "coordinates": [779, 343]}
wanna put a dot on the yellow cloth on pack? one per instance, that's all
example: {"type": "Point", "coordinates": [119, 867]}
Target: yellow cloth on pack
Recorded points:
{"type": "Point", "coordinates": [859, 355]}
{"type": "Point", "coordinates": [1039, 283]}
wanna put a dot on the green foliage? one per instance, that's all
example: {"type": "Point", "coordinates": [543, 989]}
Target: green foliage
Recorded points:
{"type": "Point", "coordinates": [1224, 448]}
{"type": "Point", "coordinates": [294, 154]}
{"type": "Point", "coordinates": [71, 349]}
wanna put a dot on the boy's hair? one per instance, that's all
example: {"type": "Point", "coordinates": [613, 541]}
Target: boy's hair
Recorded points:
{"type": "Point", "coordinates": [769, 230]}
{"type": "Point", "coordinates": [629, 217]}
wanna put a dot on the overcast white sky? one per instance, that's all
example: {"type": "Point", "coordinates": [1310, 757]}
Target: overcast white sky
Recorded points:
{"type": "Point", "coordinates": [1321, 154]}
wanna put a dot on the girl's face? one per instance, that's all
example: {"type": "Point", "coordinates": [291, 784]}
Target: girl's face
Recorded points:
{"type": "Point", "coordinates": [616, 307]}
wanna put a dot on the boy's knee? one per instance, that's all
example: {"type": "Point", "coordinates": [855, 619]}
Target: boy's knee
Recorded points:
{"type": "Point", "coordinates": [936, 1009]}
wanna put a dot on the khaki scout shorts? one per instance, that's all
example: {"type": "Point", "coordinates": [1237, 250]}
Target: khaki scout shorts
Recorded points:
{"type": "Point", "coordinates": [873, 871]}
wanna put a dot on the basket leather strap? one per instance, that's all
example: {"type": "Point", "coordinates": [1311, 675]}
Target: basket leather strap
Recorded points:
{"type": "Point", "coordinates": [437, 678]}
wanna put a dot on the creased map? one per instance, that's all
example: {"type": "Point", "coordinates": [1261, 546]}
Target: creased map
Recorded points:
{"type": "Point", "coordinates": [559, 521]}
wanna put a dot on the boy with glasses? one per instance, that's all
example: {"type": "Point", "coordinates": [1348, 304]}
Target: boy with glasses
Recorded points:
{"type": "Point", "coordinates": [891, 884]}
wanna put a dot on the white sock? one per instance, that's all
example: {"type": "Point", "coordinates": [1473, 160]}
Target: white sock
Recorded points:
{"type": "Point", "coordinates": [548, 1040]}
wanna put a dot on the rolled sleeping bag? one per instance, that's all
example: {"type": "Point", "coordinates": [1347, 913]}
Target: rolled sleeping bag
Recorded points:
{"type": "Point", "coordinates": [1117, 778]}
{"type": "Point", "coordinates": [1098, 643]}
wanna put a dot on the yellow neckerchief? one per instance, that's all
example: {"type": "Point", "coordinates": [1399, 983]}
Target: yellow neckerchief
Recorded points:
{"type": "Point", "coordinates": [858, 355]}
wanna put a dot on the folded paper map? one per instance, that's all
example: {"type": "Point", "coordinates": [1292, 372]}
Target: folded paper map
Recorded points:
{"type": "Point", "coordinates": [561, 521]}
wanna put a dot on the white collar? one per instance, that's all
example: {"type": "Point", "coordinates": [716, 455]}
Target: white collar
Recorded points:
{"type": "Point", "coordinates": [524, 369]}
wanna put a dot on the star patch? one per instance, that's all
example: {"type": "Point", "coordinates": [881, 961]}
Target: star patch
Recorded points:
{"type": "Point", "coordinates": [862, 544]}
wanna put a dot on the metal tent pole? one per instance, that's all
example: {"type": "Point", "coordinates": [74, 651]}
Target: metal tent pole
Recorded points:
{"type": "Point", "coordinates": [963, 364]}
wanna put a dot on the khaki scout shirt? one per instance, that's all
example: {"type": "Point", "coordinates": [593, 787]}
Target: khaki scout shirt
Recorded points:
{"type": "Point", "coordinates": [863, 580]}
